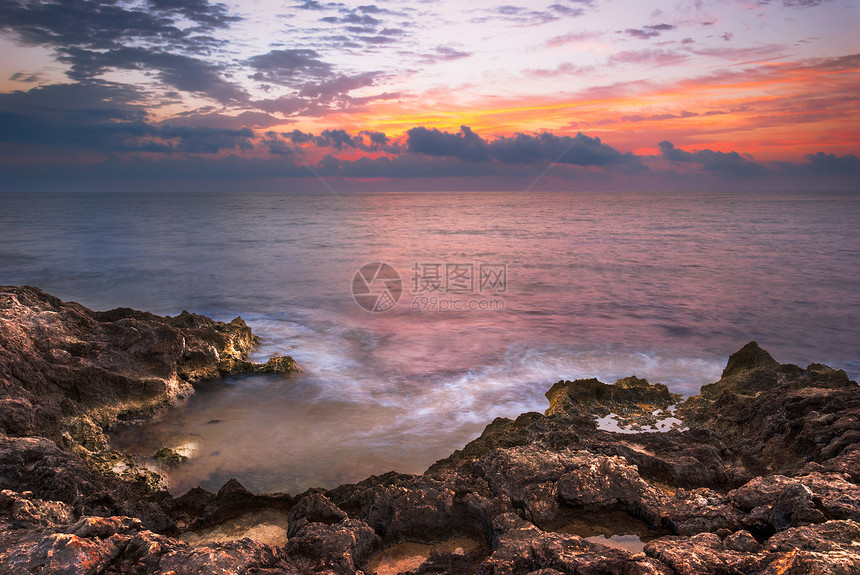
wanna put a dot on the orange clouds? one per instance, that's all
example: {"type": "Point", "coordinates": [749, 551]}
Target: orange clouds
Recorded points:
{"type": "Point", "coordinates": [773, 110]}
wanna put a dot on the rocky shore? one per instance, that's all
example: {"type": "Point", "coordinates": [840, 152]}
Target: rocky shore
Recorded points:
{"type": "Point", "coordinates": [761, 475]}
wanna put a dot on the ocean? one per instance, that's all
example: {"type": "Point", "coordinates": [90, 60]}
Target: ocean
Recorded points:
{"type": "Point", "coordinates": [500, 294]}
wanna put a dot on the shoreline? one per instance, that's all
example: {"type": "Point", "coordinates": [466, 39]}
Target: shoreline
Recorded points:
{"type": "Point", "coordinates": [765, 478]}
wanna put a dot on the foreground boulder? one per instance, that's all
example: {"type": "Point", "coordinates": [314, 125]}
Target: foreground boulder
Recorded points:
{"type": "Point", "coordinates": [762, 476]}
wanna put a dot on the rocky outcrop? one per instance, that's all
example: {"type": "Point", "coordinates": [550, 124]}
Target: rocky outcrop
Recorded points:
{"type": "Point", "coordinates": [67, 372]}
{"type": "Point", "coordinates": [780, 418]}
{"type": "Point", "coordinates": [631, 399]}
{"type": "Point", "coordinates": [765, 480]}
{"type": "Point", "coordinates": [66, 369]}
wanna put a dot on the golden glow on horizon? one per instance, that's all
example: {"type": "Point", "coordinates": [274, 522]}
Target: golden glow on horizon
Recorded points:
{"type": "Point", "coordinates": [775, 110]}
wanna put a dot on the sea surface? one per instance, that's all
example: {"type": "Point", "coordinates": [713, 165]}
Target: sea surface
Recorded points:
{"type": "Point", "coordinates": [562, 285]}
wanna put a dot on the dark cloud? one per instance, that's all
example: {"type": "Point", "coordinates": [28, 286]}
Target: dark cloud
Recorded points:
{"type": "Point", "coordinates": [364, 27]}
{"type": "Point", "coordinates": [94, 36]}
{"type": "Point", "coordinates": [726, 163]}
{"type": "Point", "coordinates": [207, 16]}
{"type": "Point", "coordinates": [364, 140]}
{"type": "Point", "coordinates": [565, 10]}
{"type": "Point", "coordinates": [337, 139]}
{"type": "Point", "coordinates": [24, 77]}
{"type": "Point", "coordinates": [288, 67]}
{"type": "Point", "coordinates": [102, 117]}
{"type": "Point", "coordinates": [107, 24]}
{"type": "Point", "coordinates": [299, 137]}
{"type": "Point", "coordinates": [276, 145]}
{"type": "Point", "coordinates": [823, 163]}
{"type": "Point", "coordinates": [522, 16]}
{"type": "Point", "coordinates": [180, 71]}
{"type": "Point", "coordinates": [377, 138]}
{"type": "Point", "coordinates": [580, 150]}
{"type": "Point", "coordinates": [364, 21]}
{"type": "Point", "coordinates": [95, 96]}
{"type": "Point", "coordinates": [525, 16]}
{"type": "Point", "coordinates": [650, 31]}
{"type": "Point", "coordinates": [310, 5]}
{"type": "Point", "coordinates": [465, 145]}
{"type": "Point", "coordinates": [325, 97]}
{"type": "Point", "coordinates": [800, 3]}
{"type": "Point", "coordinates": [339, 86]}
{"type": "Point", "coordinates": [247, 119]}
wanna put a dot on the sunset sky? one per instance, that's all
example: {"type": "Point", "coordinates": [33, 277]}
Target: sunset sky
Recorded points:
{"type": "Point", "coordinates": [470, 95]}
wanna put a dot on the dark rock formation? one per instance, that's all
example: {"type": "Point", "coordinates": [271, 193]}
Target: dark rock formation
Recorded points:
{"type": "Point", "coordinates": [766, 479]}
{"type": "Point", "coordinates": [630, 398]}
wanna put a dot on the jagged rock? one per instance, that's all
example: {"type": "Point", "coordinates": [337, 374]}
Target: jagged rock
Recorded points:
{"type": "Point", "coordinates": [748, 358]}
{"type": "Point", "coordinates": [169, 457]}
{"type": "Point", "coordinates": [527, 549]}
{"type": "Point", "coordinates": [828, 548]}
{"type": "Point", "coordinates": [704, 554]}
{"type": "Point", "coordinates": [313, 508]}
{"type": "Point", "coordinates": [743, 542]}
{"type": "Point", "coordinates": [341, 547]}
{"type": "Point", "coordinates": [700, 510]}
{"type": "Point", "coordinates": [834, 495]}
{"type": "Point", "coordinates": [283, 365]}
{"type": "Point", "coordinates": [25, 511]}
{"type": "Point", "coordinates": [775, 503]}
{"type": "Point", "coordinates": [61, 360]}
{"type": "Point", "coordinates": [243, 557]}
{"type": "Point", "coordinates": [632, 399]}
{"type": "Point", "coordinates": [61, 553]}
{"type": "Point", "coordinates": [539, 480]}
{"type": "Point", "coordinates": [778, 419]}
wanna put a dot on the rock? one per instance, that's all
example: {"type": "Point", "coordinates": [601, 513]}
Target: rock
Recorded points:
{"type": "Point", "coordinates": [62, 553]}
{"type": "Point", "coordinates": [528, 549]}
{"type": "Point", "coordinates": [779, 419]}
{"type": "Point", "coordinates": [705, 554]}
{"type": "Point", "coordinates": [169, 457]}
{"type": "Point", "coordinates": [60, 361]}
{"type": "Point", "coordinates": [837, 497]}
{"type": "Point", "coordinates": [281, 365]}
{"type": "Point", "coordinates": [340, 547]}
{"type": "Point", "coordinates": [313, 508]}
{"type": "Point", "coordinates": [700, 510]}
{"type": "Point", "coordinates": [775, 503]}
{"type": "Point", "coordinates": [632, 399]}
{"type": "Point", "coordinates": [24, 511]}
{"type": "Point", "coordinates": [828, 548]}
{"type": "Point", "coordinates": [749, 358]}
{"type": "Point", "coordinates": [235, 558]}
{"type": "Point", "coordinates": [743, 542]}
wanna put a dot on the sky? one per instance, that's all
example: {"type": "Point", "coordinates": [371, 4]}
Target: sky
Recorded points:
{"type": "Point", "coordinates": [417, 94]}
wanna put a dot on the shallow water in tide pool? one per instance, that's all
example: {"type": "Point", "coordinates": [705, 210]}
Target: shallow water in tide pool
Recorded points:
{"type": "Point", "coordinates": [662, 286]}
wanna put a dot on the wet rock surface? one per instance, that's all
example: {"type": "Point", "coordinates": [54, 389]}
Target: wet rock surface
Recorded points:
{"type": "Point", "coordinates": [765, 480]}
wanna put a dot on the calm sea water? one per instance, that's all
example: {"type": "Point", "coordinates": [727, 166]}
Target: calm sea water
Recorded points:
{"type": "Point", "coordinates": [660, 285]}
